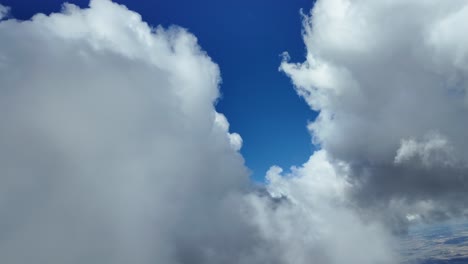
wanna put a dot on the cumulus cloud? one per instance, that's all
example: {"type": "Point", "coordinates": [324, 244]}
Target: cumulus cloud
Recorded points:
{"type": "Point", "coordinates": [389, 79]}
{"type": "Point", "coordinates": [111, 149]}
{"type": "Point", "coordinates": [312, 218]}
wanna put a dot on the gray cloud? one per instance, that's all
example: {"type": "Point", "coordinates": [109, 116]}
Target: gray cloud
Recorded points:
{"type": "Point", "coordinates": [390, 80]}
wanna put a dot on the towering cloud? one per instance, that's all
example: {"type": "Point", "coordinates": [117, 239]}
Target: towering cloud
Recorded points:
{"type": "Point", "coordinates": [389, 79]}
{"type": "Point", "coordinates": [111, 149]}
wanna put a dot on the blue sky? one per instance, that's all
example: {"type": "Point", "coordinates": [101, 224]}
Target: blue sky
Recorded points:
{"type": "Point", "coordinates": [245, 38]}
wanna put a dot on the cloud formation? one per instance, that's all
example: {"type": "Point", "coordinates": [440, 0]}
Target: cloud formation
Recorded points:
{"type": "Point", "coordinates": [389, 79]}
{"type": "Point", "coordinates": [111, 149]}
{"type": "Point", "coordinates": [312, 218]}
{"type": "Point", "coordinates": [112, 152]}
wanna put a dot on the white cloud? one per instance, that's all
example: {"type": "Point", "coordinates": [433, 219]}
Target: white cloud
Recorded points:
{"type": "Point", "coordinates": [383, 75]}
{"type": "Point", "coordinates": [234, 139]}
{"type": "Point", "coordinates": [111, 149]}
{"type": "Point", "coordinates": [312, 218]}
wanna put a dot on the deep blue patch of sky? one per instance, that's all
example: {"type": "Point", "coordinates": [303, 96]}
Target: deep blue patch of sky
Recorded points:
{"type": "Point", "coordinates": [246, 38]}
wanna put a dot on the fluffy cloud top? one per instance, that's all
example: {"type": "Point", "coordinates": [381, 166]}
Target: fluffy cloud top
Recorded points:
{"type": "Point", "coordinates": [390, 81]}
